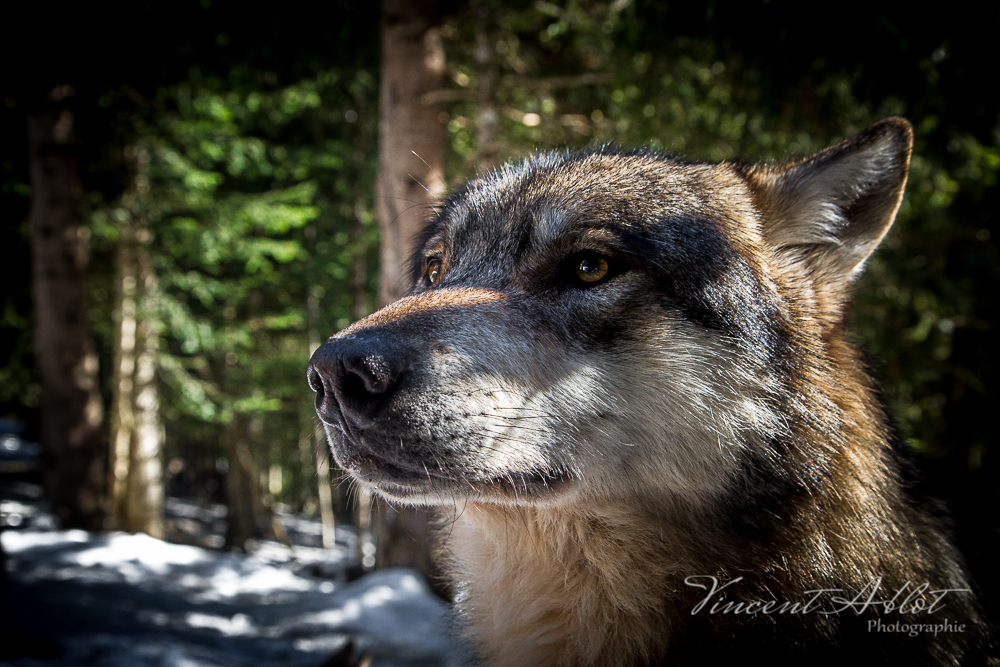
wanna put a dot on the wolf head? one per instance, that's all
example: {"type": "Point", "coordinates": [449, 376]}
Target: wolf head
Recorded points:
{"type": "Point", "coordinates": [604, 323]}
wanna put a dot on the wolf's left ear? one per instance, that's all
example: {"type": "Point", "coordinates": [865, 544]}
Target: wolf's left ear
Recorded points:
{"type": "Point", "coordinates": [829, 212]}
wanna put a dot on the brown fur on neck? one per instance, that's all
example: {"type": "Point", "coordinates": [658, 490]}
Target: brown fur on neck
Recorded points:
{"type": "Point", "coordinates": [564, 586]}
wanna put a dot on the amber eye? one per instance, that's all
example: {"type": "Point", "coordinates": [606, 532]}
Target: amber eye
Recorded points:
{"type": "Point", "coordinates": [592, 269]}
{"type": "Point", "coordinates": [433, 271]}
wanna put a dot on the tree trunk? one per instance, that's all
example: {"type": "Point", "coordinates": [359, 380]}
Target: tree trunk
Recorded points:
{"type": "Point", "coordinates": [123, 375]}
{"type": "Point", "coordinates": [487, 78]}
{"type": "Point", "coordinates": [410, 179]}
{"type": "Point", "coordinates": [325, 493]}
{"type": "Point", "coordinates": [145, 489]}
{"type": "Point", "coordinates": [320, 447]}
{"type": "Point", "coordinates": [71, 413]}
{"type": "Point", "coordinates": [136, 487]}
{"type": "Point", "coordinates": [411, 135]}
{"type": "Point", "coordinates": [246, 507]}
{"type": "Point", "coordinates": [363, 506]}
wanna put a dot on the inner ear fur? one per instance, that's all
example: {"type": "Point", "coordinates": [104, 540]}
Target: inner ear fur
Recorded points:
{"type": "Point", "coordinates": [826, 214]}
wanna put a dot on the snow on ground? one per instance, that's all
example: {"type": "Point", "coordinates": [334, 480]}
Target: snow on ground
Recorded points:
{"type": "Point", "coordinates": [117, 600]}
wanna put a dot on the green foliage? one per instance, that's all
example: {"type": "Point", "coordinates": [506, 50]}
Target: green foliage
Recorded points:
{"type": "Point", "coordinates": [255, 199]}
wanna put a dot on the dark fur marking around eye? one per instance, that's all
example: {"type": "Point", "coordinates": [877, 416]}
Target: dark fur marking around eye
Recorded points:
{"type": "Point", "coordinates": [700, 274]}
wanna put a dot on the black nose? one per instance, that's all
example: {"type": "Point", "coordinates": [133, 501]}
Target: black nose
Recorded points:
{"type": "Point", "coordinates": [353, 378]}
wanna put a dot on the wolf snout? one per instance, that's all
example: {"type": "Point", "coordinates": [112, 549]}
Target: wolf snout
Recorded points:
{"type": "Point", "coordinates": [352, 379]}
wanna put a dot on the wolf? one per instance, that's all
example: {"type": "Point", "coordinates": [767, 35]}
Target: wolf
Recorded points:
{"type": "Point", "coordinates": [627, 380]}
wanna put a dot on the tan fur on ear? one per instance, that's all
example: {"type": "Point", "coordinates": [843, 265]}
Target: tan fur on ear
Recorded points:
{"type": "Point", "coordinates": [826, 214]}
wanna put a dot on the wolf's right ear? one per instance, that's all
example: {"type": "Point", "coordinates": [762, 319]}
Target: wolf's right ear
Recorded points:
{"type": "Point", "coordinates": [826, 214]}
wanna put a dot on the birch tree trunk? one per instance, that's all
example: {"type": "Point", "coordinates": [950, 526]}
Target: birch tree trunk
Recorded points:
{"type": "Point", "coordinates": [410, 167]}
{"type": "Point", "coordinates": [71, 413]}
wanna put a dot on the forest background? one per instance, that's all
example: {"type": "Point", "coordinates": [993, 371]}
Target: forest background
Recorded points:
{"type": "Point", "coordinates": [226, 199]}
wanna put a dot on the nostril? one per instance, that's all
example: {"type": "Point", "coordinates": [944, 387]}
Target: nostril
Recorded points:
{"type": "Point", "coordinates": [314, 379]}
{"type": "Point", "coordinates": [364, 385]}
{"type": "Point", "coordinates": [354, 386]}
{"type": "Point", "coordinates": [369, 375]}
{"type": "Point", "coordinates": [354, 379]}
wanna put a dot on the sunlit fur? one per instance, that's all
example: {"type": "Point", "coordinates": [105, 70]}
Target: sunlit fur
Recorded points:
{"type": "Point", "coordinates": [697, 412]}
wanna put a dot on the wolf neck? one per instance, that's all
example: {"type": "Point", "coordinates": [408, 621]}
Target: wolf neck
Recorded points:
{"type": "Point", "coordinates": [603, 584]}
{"type": "Point", "coordinates": [562, 587]}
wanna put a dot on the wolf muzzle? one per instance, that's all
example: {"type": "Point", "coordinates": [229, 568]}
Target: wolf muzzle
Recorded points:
{"type": "Point", "coordinates": [354, 378]}
{"type": "Point", "coordinates": [355, 373]}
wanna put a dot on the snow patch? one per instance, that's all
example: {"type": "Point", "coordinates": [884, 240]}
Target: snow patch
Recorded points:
{"type": "Point", "coordinates": [119, 600]}
{"type": "Point", "coordinates": [239, 624]}
{"type": "Point", "coordinates": [148, 555]}
{"type": "Point", "coordinates": [19, 541]}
